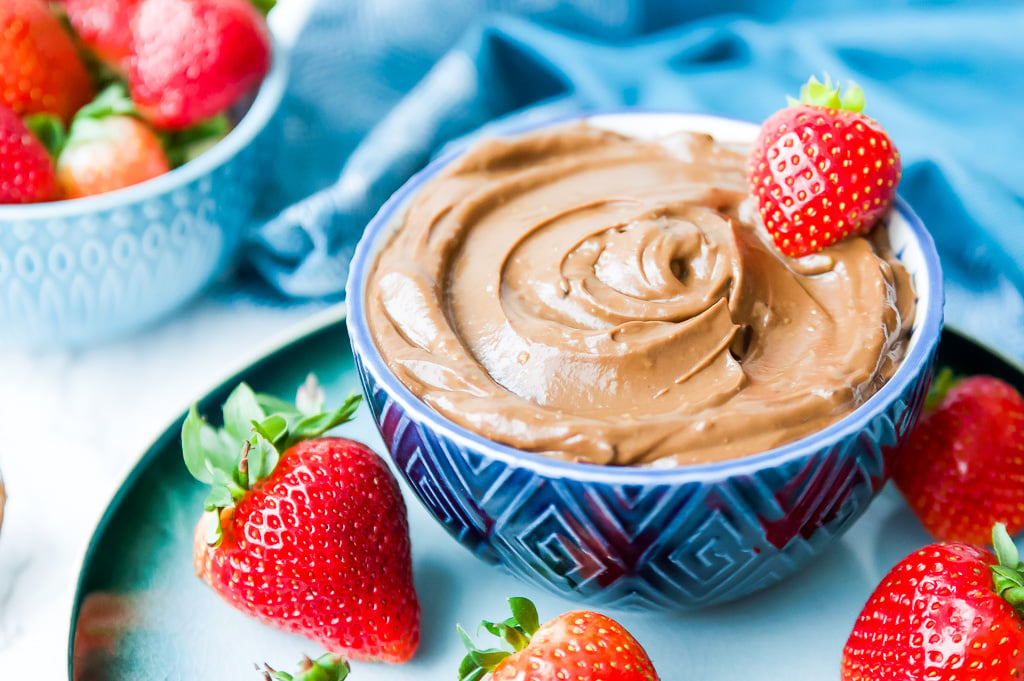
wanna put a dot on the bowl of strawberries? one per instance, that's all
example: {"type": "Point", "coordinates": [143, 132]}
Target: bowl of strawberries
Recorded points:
{"type": "Point", "coordinates": [595, 471]}
{"type": "Point", "coordinates": [133, 136]}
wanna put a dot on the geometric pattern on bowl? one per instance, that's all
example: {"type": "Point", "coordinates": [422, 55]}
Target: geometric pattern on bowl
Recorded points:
{"type": "Point", "coordinates": [649, 544]}
{"type": "Point", "coordinates": [632, 537]}
{"type": "Point", "coordinates": [85, 277]}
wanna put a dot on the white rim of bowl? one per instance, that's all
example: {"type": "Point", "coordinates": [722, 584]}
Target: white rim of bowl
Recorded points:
{"type": "Point", "coordinates": [263, 108]}
{"type": "Point", "coordinates": [924, 340]}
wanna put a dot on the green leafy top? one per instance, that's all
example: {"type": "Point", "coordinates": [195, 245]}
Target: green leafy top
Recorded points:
{"type": "Point", "coordinates": [943, 382]}
{"type": "Point", "coordinates": [829, 96]}
{"type": "Point", "coordinates": [1008, 575]}
{"type": "Point", "coordinates": [180, 146]}
{"type": "Point", "coordinates": [515, 632]}
{"type": "Point", "coordinates": [327, 667]}
{"type": "Point", "coordinates": [264, 6]}
{"type": "Point", "coordinates": [87, 124]}
{"type": "Point", "coordinates": [257, 429]}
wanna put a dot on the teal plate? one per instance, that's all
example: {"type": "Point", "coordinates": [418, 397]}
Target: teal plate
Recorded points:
{"type": "Point", "coordinates": [140, 613]}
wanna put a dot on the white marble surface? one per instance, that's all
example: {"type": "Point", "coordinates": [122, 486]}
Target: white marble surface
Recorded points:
{"type": "Point", "coordinates": [74, 424]}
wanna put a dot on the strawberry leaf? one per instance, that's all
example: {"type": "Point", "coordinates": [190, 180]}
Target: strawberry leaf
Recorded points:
{"type": "Point", "coordinates": [853, 98]}
{"type": "Point", "coordinates": [181, 146]}
{"type": "Point", "coordinates": [204, 449]}
{"type": "Point", "coordinates": [515, 631]}
{"type": "Point", "coordinates": [219, 497]}
{"type": "Point", "coordinates": [1006, 550]}
{"type": "Point", "coordinates": [273, 429]}
{"type": "Point", "coordinates": [258, 428]}
{"type": "Point", "coordinates": [471, 674]}
{"type": "Point", "coordinates": [477, 663]}
{"type": "Point", "coordinates": [191, 446]}
{"type": "Point", "coordinates": [1008, 575]}
{"type": "Point", "coordinates": [318, 424]}
{"type": "Point", "coordinates": [264, 455]}
{"type": "Point", "coordinates": [1014, 596]}
{"type": "Point", "coordinates": [264, 6]}
{"type": "Point", "coordinates": [327, 667]}
{"type": "Point", "coordinates": [49, 130]}
{"type": "Point", "coordinates": [524, 612]}
{"type": "Point", "coordinates": [273, 404]}
{"type": "Point", "coordinates": [829, 96]}
{"type": "Point", "coordinates": [488, 659]}
{"type": "Point", "coordinates": [240, 410]}
{"type": "Point", "coordinates": [111, 101]}
{"type": "Point", "coordinates": [941, 384]}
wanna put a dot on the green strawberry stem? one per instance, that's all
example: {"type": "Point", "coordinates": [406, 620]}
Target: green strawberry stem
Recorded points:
{"type": "Point", "coordinates": [181, 146]}
{"type": "Point", "coordinates": [941, 384]}
{"type": "Point", "coordinates": [515, 632]}
{"type": "Point", "coordinates": [264, 6]}
{"type": "Point", "coordinates": [827, 95]}
{"type": "Point", "coordinates": [87, 125]}
{"type": "Point", "coordinates": [327, 667]}
{"type": "Point", "coordinates": [49, 130]}
{"type": "Point", "coordinates": [257, 429]}
{"type": "Point", "coordinates": [1008, 575]}
{"type": "Point", "coordinates": [113, 100]}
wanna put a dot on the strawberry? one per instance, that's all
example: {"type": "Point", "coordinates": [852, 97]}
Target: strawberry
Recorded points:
{"type": "Point", "coordinates": [192, 59]}
{"type": "Point", "coordinates": [948, 612]}
{"type": "Point", "coordinates": [821, 171]}
{"type": "Point", "coordinates": [325, 668]}
{"type": "Point", "coordinates": [107, 148]}
{"type": "Point", "coordinates": [306, 533]}
{"type": "Point", "coordinates": [579, 645]}
{"type": "Point", "coordinates": [40, 70]}
{"type": "Point", "coordinates": [104, 26]}
{"type": "Point", "coordinates": [962, 467]}
{"type": "Point", "coordinates": [26, 170]}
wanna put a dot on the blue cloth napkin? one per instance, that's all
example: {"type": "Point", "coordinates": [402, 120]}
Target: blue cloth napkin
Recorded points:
{"type": "Point", "coordinates": [380, 87]}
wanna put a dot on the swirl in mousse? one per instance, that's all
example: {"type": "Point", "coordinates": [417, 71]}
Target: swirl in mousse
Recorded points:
{"type": "Point", "coordinates": [599, 298]}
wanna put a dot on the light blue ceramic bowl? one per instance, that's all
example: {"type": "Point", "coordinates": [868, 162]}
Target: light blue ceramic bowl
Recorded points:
{"type": "Point", "coordinates": [639, 537]}
{"type": "Point", "coordinates": [86, 270]}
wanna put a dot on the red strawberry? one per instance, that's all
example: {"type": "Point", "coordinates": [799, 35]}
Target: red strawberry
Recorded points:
{"type": "Point", "coordinates": [192, 59]}
{"type": "Point", "coordinates": [104, 26]}
{"type": "Point", "coordinates": [108, 149]}
{"type": "Point", "coordinates": [325, 668]}
{"type": "Point", "coordinates": [26, 170]}
{"type": "Point", "coordinates": [40, 71]}
{"type": "Point", "coordinates": [949, 612]}
{"type": "Point", "coordinates": [307, 533]}
{"type": "Point", "coordinates": [580, 645]}
{"type": "Point", "coordinates": [962, 467]}
{"type": "Point", "coordinates": [821, 171]}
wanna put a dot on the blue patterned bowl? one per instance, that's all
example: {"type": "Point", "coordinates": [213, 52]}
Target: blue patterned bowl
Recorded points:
{"type": "Point", "coordinates": [81, 271]}
{"type": "Point", "coordinates": [632, 538]}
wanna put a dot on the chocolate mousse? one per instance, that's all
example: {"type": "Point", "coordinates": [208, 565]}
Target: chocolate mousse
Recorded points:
{"type": "Point", "coordinates": [599, 298]}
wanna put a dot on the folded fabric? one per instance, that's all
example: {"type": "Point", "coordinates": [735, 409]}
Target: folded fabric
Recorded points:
{"type": "Point", "coordinates": [381, 87]}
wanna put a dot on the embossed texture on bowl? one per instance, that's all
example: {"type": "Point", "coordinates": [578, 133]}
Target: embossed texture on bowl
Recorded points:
{"type": "Point", "coordinates": [82, 271]}
{"type": "Point", "coordinates": [664, 538]}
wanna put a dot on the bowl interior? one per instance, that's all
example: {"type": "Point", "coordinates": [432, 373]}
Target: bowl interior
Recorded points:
{"type": "Point", "coordinates": [910, 241]}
